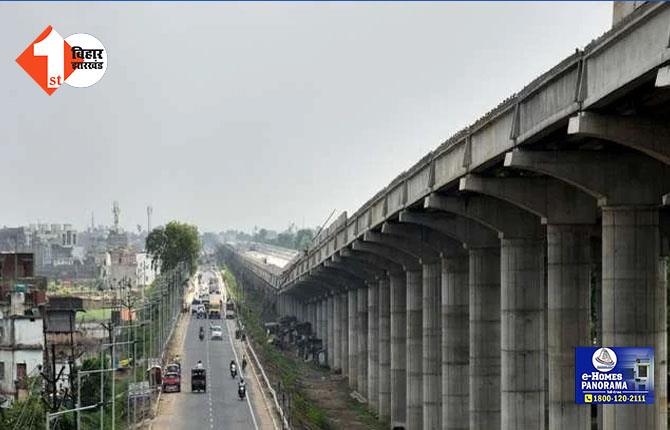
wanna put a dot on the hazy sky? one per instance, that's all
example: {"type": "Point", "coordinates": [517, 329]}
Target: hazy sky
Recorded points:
{"type": "Point", "coordinates": [230, 115]}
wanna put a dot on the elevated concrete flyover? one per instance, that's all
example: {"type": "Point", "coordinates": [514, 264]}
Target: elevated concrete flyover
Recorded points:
{"type": "Point", "coordinates": [461, 288]}
{"type": "Point", "coordinates": [250, 273]}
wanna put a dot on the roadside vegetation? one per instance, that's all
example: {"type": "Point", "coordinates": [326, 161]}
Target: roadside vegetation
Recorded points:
{"type": "Point", "coordinates": [173, 244]}
{"type": "Point", "coordinates": [291, 238]}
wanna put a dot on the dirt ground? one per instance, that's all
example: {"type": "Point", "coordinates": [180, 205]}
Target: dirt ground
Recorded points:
{"type": "Point", "coordinates": [331, 393]}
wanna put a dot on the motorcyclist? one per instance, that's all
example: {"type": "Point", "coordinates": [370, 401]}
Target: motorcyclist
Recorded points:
{"type": "Point", "coordinates": [233, 368]}
{"type": "Point", "coordinates": [241, 388]}
{"type": "Point", "coordinates": [201, 334]}
{"type": "Point", "coordinates": [199, 365]}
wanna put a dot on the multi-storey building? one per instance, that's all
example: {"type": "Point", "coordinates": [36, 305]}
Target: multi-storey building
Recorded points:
{"type": "Point", "coordinates": [21, 341]}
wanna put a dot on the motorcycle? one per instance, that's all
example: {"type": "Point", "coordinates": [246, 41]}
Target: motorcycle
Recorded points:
{"type": "Point", "coordinates": [242, 391]}
{"type": "Point", "coordinates": [233, 371]}
{"type": "Point", "coordinates": [201, 335]}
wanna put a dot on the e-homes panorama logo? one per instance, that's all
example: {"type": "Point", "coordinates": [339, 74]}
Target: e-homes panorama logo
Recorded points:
{"type": "Point", "coordinates": [79, 60]}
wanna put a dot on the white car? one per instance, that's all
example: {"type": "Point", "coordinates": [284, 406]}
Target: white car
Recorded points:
{"type": "Point", "coordinates": [216, 332]}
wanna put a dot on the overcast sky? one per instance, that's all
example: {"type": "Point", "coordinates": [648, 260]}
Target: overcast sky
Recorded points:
{"type": "Point", "coordinates": [230, 115]}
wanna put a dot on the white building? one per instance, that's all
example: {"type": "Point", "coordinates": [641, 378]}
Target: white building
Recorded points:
{"type": "Point", "coordinates": [145, 273]}
{"type": "Point", "coordinates": [134, 267]}
{"type": "Point", "coordinates": [21, 345]}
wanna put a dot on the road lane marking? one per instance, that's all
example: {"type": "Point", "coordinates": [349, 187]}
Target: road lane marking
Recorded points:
{"type": "Point", "coordinates": [232, 345]}
{"type": "Point", "coordinates": [208, 386]}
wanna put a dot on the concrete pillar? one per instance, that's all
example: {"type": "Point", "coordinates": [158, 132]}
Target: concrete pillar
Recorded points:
{"type": "Point", "coordinates": [384, 349]}
{"type": "Point", "coordinates": [324, 319]}
{"type": "Point", "coordinates": [319, 319]}
{"type": "Point", "coordinates": [634, 298]}
{"type": "Point", "coordinates": [569, 282]}
{"type": "Point", "coordinates": [337, 332]}
{"type": "Point", "coordinates": [315, 322]}
{"type": "Point", "coordinates": [398, 320]}
{"type": "Point", "coordinates": [522, 334]}
{"type": "Point", "coordinates": [353, 338]}
{"type": "Point", "coordinates": [311, 313]}
{"type": "Point", "coordinates": [373, 346]}
{"type": "Point", "coordinates": [344, 337]}
{"type": "Point", "coordinates": [362, 335]}
{"type": "Point", "coordinates": [661, 390]}
{"type": "Point", "coordinates": [414, 350]}
{"type": "Point", "coordinates": [484, 316]}
{"type": "Point", "coordinates": [331, 331]}
{"type": "Point", "coordinates": [324, 322]}
{"type": "Point", "coordinates": [455, 343]}
{"type": "Point", "coordinates": [432, 346]}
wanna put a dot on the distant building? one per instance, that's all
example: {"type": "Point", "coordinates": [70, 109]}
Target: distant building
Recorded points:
{"type": "Point", "coordinates": [63, 336]}
{"type": "Point", "coordinates": [20, 290]}
{"type": "Point", "coordinates": [117, 240]}
{"type": "Point", "coordinates": [21, 345]}
{"type": "Point", "coordinates": [21, 341]}
{"type": "Point", "coordinates": [146, 272]}
{"type": "Point", "coordinates": [14, 239]}
{"type": "Point", "coordinates": [126, 264]}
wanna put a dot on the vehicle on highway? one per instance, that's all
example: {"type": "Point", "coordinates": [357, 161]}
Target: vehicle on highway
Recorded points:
{"type": "Point", "coordinates": [216, 332]}
{"type": "Point", "coordinates": [215, 302]}
{"type": "Point", "coordinates": [201, 333]}
{"type": "Point", "coordinates": [198, 380]}
{"type": "Point", "coordinates": [172, 382]}
{"type": "Point", "coordinates": [233, 369]}
{"type": "Point", "coordinates": [204, 299]}
{"type": "Point", "coordinates": [242, 389]}
{"type": "Point", "coordinates": [230, 310]}
{"type": "Point", "coordinates": [173, 368]}
{"type": "Point", "coordinates": [198, 309]}
{"type": "Point", "coordinates": [196, 305]}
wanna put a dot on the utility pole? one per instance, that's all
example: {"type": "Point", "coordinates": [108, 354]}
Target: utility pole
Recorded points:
{"type": "Point", "coordinates": [101, 403]}
{"type": "Point", "coordinates": [150, 211]}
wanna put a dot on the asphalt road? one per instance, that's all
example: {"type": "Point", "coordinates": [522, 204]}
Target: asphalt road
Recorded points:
{"type": "Point", "coordinates": [219, 407]}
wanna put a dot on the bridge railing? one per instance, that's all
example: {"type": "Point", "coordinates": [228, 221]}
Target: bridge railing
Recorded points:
{"type": "Point", "coordinates": [268, 275]}
{"type": "Point", "coordinates": [638, 46]}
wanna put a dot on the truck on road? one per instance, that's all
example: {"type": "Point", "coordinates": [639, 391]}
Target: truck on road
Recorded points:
{"type": "Point", "coordinates": [215, 302]}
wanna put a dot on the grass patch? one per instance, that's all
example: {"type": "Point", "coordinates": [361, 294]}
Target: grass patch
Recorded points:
{"type": "Point", "coordinates": [94, 315]}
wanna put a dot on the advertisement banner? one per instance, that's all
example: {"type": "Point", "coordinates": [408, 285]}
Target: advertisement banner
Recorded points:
{"type": "Point", "coordinates": [614, 375]}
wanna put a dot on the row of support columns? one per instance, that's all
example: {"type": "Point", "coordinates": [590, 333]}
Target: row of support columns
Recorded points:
{"type": "Point", "coordinates": [465, 314]}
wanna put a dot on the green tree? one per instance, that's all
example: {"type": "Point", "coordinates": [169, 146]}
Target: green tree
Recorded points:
{"type": "Point", "coordinates": [27, 414]}
{"type": "Point", "coordinates": [303, 238]}
{"type": "Point", "coordinates": [90, 383]}
{"type": "Point", "coordinates": [285, 239]}
{"type": "Point", "coordinates": [174, 243]}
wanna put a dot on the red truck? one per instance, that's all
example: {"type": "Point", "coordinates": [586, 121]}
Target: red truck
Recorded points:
{"type": "Point", "coordinates": [171, 382]}
{"type": "Point", "coordinates": [172, 378]}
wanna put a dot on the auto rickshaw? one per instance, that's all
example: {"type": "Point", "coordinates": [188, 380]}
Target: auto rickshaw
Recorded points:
{"type": "Point", "coordinates": [198, 380]}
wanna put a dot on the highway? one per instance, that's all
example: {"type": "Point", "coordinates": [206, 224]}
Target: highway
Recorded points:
{"type": "Point", "coordinates": [219, 407]}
